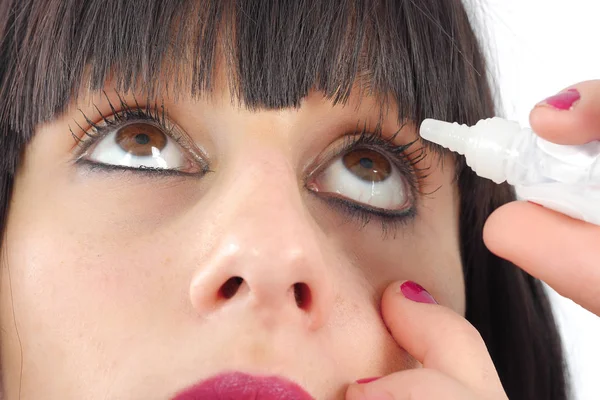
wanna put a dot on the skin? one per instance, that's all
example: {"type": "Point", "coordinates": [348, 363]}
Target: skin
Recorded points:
{"type": "Point", "coordinates": [110, 280]}
{"type": "Point", "coordinates": [127, 300]}
{"type": "Point", "coordinates": [561, 251]}
{"type": "Point", "coordinates": [557, 249]}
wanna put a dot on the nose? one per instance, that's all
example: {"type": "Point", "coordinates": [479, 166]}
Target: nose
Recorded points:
{"type": "Point", "coordinates": [268, 254]}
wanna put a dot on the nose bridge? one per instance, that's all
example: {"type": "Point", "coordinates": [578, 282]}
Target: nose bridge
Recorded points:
{"type": "Point", "coordinates": [267, 226]}
{"type": "Point", "coordinates": [268, 249]}
{"type": "Point", "coordinates": [273, 206]}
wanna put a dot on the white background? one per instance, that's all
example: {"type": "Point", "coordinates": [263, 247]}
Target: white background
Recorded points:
{"type": "Point", "coordinates": [541, 47]}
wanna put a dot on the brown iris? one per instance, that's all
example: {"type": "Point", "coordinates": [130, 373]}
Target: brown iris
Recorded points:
{"type": "Point", "coordinates": [140, 138]}
{"type": "Point", "coordinates": [368, 165]}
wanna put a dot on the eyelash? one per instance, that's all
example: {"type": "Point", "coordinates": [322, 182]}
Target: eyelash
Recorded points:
{"type": "Point", "coordinates": [155, 114]}
{"type": "Point", "coordinates": [402, 157]}
{"type": "Point", "coordinates": [372, 139]}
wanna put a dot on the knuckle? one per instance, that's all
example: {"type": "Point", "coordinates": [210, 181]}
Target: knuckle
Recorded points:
{"type": "Point", "coordinates": [468, 332]}
{"type": "Point", "coordinates": [459, 327]}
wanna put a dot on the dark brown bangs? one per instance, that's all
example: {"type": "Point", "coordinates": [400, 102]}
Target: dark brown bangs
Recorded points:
{"type": "Point", "coordinates": [275, 51]}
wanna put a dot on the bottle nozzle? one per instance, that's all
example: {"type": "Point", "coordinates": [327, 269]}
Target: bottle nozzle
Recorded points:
{"type": "Point", "coordinates": [446, 134]}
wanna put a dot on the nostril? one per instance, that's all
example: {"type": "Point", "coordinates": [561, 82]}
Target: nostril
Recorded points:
{"type": "Point", "coordinates": [302, 295]}
{"type": "Point", "coordinates": [230, 288]}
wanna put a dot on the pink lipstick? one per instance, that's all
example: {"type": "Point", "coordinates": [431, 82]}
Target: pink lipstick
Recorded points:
{"type": "Point", "coordinates": [239, 386]}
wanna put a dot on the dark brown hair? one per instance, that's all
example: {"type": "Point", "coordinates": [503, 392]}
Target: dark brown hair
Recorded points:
{"type": "Point", "coordinates": [424, 55]}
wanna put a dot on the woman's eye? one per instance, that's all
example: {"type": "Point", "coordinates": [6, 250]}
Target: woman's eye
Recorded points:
{"type": "Point", "coordinates": [141, 145]}
{"type": "Point", "coordinates": [367, 177]}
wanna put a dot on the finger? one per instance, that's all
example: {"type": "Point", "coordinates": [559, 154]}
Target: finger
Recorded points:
{"type": "Point", "coordinates": [420, 384]}
{"type": "Point", "coordinates": [438, 337]}
{"type": "Point", "coordinates": [561, 251]}
{"type": "Point", "coordinates": [571, 117]}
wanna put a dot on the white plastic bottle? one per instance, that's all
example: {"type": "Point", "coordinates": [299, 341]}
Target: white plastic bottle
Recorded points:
{"type": "Point", "coordinates": [563, 178]}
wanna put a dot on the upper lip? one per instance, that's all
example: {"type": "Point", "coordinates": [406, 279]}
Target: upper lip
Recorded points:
{"type": "Point", "coordinates": [240, 386]}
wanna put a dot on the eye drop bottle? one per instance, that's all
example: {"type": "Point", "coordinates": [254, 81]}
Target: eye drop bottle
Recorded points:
{"type": "Point", "coordinates": [560, 177]}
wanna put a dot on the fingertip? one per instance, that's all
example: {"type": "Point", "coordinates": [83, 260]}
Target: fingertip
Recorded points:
{"type": "Point", "coordinates": [367, 392]}
{"type": "Point", "coordinates": [415, 292]}
{"type": "Point", "coordinates": [494, 228]}
{"type": "Point", "coordinates": [549, 124]}
{"type": "Point", "coordinates": [570, 117]}
{"type": "Point", "coordinates": [410, 290]}
{"type": "Point", "coordinates": [394, 299]}
{"type": "Point", "coordinates": [515, 226]}
{"type": "Point", "coordinates": [402, 306]}
{"type": "Point", "coordinates": [549, 246]}
{"type": "Point", "coordinates": [355, 391]}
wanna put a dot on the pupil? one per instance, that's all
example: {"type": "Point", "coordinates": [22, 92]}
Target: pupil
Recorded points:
{"type": "Point", "coordinates": [142, 138]}
{"type": "Point", "coordinates": [366, 163]}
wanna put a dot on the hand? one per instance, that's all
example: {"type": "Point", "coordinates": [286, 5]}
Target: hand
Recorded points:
{"type": "Point", "coordinates": [456, 364]}
{"type": "Point", "coordinates": [561, 251]}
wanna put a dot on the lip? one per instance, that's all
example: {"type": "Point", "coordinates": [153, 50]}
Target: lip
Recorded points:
{"type": "Point", "coordinates": [240, 386]}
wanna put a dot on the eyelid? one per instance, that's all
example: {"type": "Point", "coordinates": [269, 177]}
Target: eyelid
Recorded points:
{"type": "Point", "coordinates": [373, 140]}
{"type": "Point", "coordinates": [120, 118]}
{"type": "Point", "coordinates": [402, 157]}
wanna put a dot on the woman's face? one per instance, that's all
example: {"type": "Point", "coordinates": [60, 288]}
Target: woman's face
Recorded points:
{"type": "Point", "coordinates": [256, 256]}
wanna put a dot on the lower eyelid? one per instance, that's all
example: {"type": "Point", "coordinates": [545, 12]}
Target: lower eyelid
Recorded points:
{"type": "Point", "coordinates": [354, 213]}
{"type": "Point", "coordinates": [94, 167]}
{"type": "Point", "coordinates": [334, 198]}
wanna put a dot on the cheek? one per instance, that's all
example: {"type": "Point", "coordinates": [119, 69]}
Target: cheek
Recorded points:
{"type": "Point", "coordinates": [74, 246]}
{"type": "Point", "coordinates": [62, 280]}
{"type": "Point", "coordinates": [67, 260]}
{"type": "Point", "coordinates": [81, 287]}
{"type": "Point", "coordinates": [70, 271]}
{"type": "Point", "coordinates": [426, 250]}
{"type": "Point", "coordinates": [431, 263]}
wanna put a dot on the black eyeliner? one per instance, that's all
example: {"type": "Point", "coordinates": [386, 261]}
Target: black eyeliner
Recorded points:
{"type": "Point", "coordinates": [364, 215]}
{"type": "Point", "coordinates": [403, 157]}
{"type": "Point", "coordinates": [117, 119]}
{"type": "Point", "coordinates": [93, 166]}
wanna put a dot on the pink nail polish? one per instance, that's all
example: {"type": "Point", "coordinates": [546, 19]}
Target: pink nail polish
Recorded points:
{"type": "Point", "coordinates": [367, 380]}
{"type": "Point", "coordinates": [564, 100]}
{"type": "Point", "coordinates": [415, 292]}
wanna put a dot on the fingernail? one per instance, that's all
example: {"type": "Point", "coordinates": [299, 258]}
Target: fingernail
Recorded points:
{"type": "Point", "coordinates": [415, 292]}
{"type": "Point", "coordinates": [562, 101]}
{"type": "Point", "coordinates": [367, 380]}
